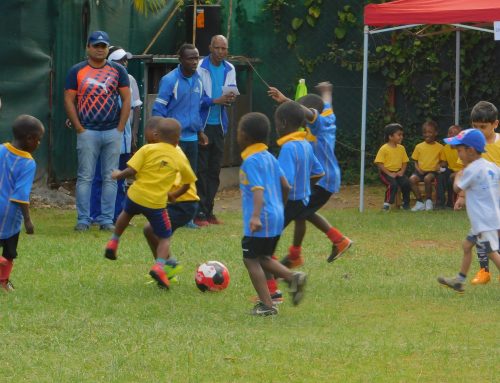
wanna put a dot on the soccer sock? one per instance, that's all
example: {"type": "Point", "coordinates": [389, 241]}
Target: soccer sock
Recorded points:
{"type": "Point", "coordinates": [294, 252]}
{"type": "Point", "coordinates": [161, 261]}
{"type": "Point", "coordinates": [461, 277]}
{"type": "Point", "coordinates": [6, 270]}
{"type": "Point", "coordinates": [334, 235]}
{"type": "Point", "coordinates": [272, 285]}
{"type": "Point", "coordinates": [483, 260]}
{"type": "Point", "coordinates": [115, 237]}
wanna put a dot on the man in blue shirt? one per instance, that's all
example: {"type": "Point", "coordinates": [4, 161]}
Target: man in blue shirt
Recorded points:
{"type": "Point", "coordinates": [215, 72]}
{"type": "Point", "coordinates": [179, 97]}
{"type": "Point", "coordinates": [91, 99]}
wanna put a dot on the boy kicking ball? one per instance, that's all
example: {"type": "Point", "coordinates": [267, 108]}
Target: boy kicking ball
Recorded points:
{"type": "Point", "coordinates": [480, 180]}
{"type": "Point", "coordinates": [155, 167]}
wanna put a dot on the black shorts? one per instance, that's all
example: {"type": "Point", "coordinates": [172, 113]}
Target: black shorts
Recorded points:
{"type": "Point", "coordinates": [295, 210]}
{"type": "Point", "coordinates": [421, 176]}
{"type": "Point", "coordinates": [9, 246]}
{"type": "Point", "coordinates": [259, 247]}
{"type": "Point", "coordinates": [180, 213]}
{"type": "Point", "coordinates": [319, 197]}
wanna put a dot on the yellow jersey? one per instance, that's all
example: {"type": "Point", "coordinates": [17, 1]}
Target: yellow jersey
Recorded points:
{"type": "Point", "coordinates": [427, 156]}
{"type": "Point", "coordinates": [191, 195]}
{"type": "Point", "coordinates": [450, 155]}
{"type": "Point", "coordinates": [391, 157]}
{"type": "Point", "coordinates": [157, 166]}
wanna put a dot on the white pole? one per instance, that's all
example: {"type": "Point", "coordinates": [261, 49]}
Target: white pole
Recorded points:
{"type": "Point", "coordinates": [457, 78]}
{"type": "Point", "coordinates": [363, 120]}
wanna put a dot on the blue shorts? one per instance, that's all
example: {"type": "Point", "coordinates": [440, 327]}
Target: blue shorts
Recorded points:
{"type": "Point", "coordinates": [158, 218]}
{"type": "Point", "coordinates": [181, 213]}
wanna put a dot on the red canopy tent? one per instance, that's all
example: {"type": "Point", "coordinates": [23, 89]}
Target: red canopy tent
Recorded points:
{"type": "Point", "coordinates": [404, 14]}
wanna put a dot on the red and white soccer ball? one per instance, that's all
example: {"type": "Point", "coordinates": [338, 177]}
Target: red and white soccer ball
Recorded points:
{"type": "Point", "coordinates": [212, 276]}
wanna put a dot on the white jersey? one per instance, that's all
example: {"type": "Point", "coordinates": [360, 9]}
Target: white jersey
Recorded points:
{"type": "Point", "coordinates": [481, 182]}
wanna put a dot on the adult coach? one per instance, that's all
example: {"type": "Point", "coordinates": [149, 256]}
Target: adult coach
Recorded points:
{"type": "Point", "coordinates": [215, 72]}
{"type": "Point", "coordinates": [91, 99]}
{"type": "Point", "coordinates": [179, 97]}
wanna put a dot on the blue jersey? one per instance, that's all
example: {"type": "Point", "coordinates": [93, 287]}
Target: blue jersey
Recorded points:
{"type": "Point", "coordinates": [98, 99]}
{"type": "Point", "coordinates": [260, 170]}
{"type": "Point", "coordinates": [179, 97]}
{"type": "Point", "coordinates": [17, 171]}
{"type": "Point", "coordinates": [299, 164]}
{"type": "Point", "coordinates": [323, 131]}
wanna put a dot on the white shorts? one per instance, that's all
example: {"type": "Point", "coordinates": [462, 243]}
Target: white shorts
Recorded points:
{"type": "Point", "coordinates": [487, 240]}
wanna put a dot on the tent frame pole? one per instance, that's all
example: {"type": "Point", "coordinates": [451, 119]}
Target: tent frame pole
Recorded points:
{"type": "Point", "coordinates": [363, 120]}
{"type": "Point", "coordinates": [457, 78]}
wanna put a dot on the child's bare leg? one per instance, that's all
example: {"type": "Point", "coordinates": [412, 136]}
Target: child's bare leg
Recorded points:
{"type": "Point", "coordinates": [122, 222]}
{"type": "Point", "coordinates": [495, 257]}
{"type": "Point", "coordinates": [467, 259]}
{"type": "Point", "coordinates": [276, 268]}
{"type": "Point", "coordinates": [320, 222]}
{"type": "Point", "coordinates": [163, 248]}
{"type": "Point", "coordinates": [258, 279]}
{"type": "Point", "coordinates": [151, 238]}
{"type": "Point", "coordinates": [428, 181]}
{"type": "Point", "coordinates": [414, 180]}
{"type": "Point", "coordinates": [299, 232]}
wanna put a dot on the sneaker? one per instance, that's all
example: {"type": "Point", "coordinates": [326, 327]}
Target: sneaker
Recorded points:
{"type": "Point", "coordinates": [191, 225]}
{"type": "Point", "coordinates": [172, 268]}
{"type": "Point", "coordinates": [482, 277]}
{"type": "Point", "coordinates": [292, 263]}
{"type": "Point", "coordinates": [107, 227]}
{"type": "Point", "coordinates": [7, 285]}
{"type": "Point", "coordinates": [406, 206]}
{"type": "Point", "coordinates": [338, 249]}
{"type": "Point", "coordinates": [81, 227]}
{"type": "Point", "coordinates": [419, 206]}
{"type": "Point", "coordinates": [212, 220]}
{"type": "Point", "coordinates": [111, 248]}
{"type": "Point", "coordinates": [3, 261]}
{"type": "Point", "coordinates": [452, 283]}
{"type": "Point", "coordinates": [201, 222]}
{"type": "Point", "coordinates": [277, 298]}
{"type": "Point", "coordinates": [297, 284]}
{"type": "Point", "coordinates": [386, 207]}
{"type": "Point", "coordinates": [260, 309]}
{"type": "Point", "coordinates": [158, 274]}
{"type": "Point", "coordinates": [428, 205]}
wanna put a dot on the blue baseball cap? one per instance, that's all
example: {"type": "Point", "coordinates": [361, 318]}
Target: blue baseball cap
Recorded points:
{"type": "Point", "coordinates": [98, 37]}
{"type": "Point", "coordinates": [469, 137]}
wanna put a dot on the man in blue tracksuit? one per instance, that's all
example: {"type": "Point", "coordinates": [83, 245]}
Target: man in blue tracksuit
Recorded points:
{"type": "Point", "coordinates": [179, 97]}
{"type": "Point", "coordinates": [215, 72]}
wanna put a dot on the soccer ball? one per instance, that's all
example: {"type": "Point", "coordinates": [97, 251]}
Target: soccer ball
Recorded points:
{"type": "Point", "coordinates": [211, 276]}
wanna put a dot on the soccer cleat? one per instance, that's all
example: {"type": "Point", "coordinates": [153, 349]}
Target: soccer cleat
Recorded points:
{"type": "Point", "coordinates": [212, 220]}
{"type": "Point", "coordinates": [452, 283]}
{"type": "Point", "coordinates": [191, 225]}
{"type": "Point", "coordinates": [386, 207]}
{"type": "Point", "coordinates": [260, 309]}
{"type": "Point", "coordinates": [3, 261]}
{"type": "Point", "coordinates": [81, 227]}
{"type": "Point", "coordinates": [277, 298]}
{"type": "Point", "coordinates": [339, 248]}
{"type": "Point", "coordinates": [297, 285]}
{"type": "Point", "coordinates": [292, 263]}
{"type": "Point", "coordinates": [428, 205]}
{"type": "Point", "coordinates": [7, 285]}
{"type": "Point", "coordinates": [158, 274]}
{"type": "Point", "coordinates": [172, 268]}
{"type": "Point", "coordinates": [107, 227]}
{"type": "Point", "coordinates": [201, 222]}
{"type": "Point", "coordinates": [419, 206]}
{"type": "Point", "coordinates": [111, 248]}
{"type": "Point", "coordinates": [482, 277]}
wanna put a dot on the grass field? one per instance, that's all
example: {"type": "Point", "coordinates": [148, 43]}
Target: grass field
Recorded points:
{"type": "Point", "coordinates": [377, 315]}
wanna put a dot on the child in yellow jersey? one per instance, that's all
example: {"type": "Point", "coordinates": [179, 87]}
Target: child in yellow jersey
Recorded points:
{"type": "Point", "coordinates": [484, 116]}
{"type": "Point", "coordinates": [447, 172]}
{"type": "Point", "coordinates": [155, 167]}
{"type": "Point", "coordinates": [426, 156]}
{"type": "Point", "coordinates": [181, 208]}
{"type": "Point", "coordinates": [392, 160]}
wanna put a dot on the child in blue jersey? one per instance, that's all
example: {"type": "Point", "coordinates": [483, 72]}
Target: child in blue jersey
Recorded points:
{"type": "Point", "coordinates": [264, 190]}
{"type": "Point", "coordinates": [321, 131]}
{"type": "Point", "coordinates": [17, 170]}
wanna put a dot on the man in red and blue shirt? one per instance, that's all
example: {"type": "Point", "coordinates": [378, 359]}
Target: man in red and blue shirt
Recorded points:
{"type": "Point", "coordinates": [91, 98]}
